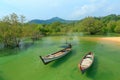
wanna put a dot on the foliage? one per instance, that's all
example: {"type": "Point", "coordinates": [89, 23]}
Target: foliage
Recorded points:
{"type": "Point", "coordinates": [13, 28]}
{"type": "Point", "coordinates": [111, 26]}
{"type": "Point", "coordinates": [91, 25]}
{"type": "Point", "coordinates": [117, 28]}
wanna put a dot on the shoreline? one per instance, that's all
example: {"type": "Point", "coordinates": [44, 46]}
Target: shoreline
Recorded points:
{"type": "Point", "coordinates": [113, 39]}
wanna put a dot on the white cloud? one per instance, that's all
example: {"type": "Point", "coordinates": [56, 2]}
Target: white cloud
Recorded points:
{"type": "Point", "coordinates": [88, 9]}
{"type": "Point", "coordinates": [85, 9]}
{"type": "Point", "coordinates": [109, 9]}
{"type": "Point", "coordinates": [74, 9]}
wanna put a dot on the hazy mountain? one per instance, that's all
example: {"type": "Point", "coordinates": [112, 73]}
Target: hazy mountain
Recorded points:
{"type": "Point", "coordinates": [48, 21]}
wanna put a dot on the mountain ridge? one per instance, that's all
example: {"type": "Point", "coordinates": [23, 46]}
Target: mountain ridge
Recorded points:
{"type": "Point", "coordinates": [51, 20]}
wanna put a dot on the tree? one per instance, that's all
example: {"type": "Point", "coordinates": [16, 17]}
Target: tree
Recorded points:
{"type": "Point", "coordinates": [10, 31]}
{"type": "Point", "coordinates": [22, 19]}
{"type": "Point", "coordinates": [111, 26]}
{"type": "Point", "coordinates": [6, 20]}
{"type": "Point", "coordinates": [55, 27]}
{"type": "Point", "coordinates": [91, 25]}
{"type": "Point", "coordinates": [4, 32]}
{"type": "Point", "coordinates": [14, 19]}
{"type": "Point", "coordinates": [117, 28]}
{"type": "Point", "coordinates": [44, 29]}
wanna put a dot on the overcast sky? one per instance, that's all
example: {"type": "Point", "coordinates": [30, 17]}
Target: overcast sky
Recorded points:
{"type": "Point", "coordinates": [66, 9]}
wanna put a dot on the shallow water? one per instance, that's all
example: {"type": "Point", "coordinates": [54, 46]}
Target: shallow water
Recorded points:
{"type": "Point", "coordinates": [26, 64]}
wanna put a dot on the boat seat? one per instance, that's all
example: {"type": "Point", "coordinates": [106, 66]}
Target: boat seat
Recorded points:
{"type": "Point", "coordinates": [86, 62]}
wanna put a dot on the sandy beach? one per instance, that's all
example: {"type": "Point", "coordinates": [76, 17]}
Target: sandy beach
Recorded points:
{"type": "Point", "coordinates": [113, 39]}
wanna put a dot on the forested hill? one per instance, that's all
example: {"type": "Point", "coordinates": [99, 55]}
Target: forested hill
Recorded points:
{"type": "Point", "coordinates": [49, 21]}
{"type": "Point", "coordinates": [111, 17]}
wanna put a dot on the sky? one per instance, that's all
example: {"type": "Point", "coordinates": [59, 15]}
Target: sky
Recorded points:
{"type": "Point", "coordinates": [66, 9]}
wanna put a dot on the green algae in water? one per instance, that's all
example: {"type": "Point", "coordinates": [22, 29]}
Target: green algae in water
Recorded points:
{"type": "Point", "coordinates": [26, 64]}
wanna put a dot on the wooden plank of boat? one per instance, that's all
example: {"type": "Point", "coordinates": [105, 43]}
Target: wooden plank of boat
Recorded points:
{"type": "Point", "coordinates": [51, 57]}
{"type": "Point", "coordinates": [86, 62]}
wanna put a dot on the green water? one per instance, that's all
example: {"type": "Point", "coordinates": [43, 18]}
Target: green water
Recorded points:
{"type": "Point", "coordinates": [26, 65]}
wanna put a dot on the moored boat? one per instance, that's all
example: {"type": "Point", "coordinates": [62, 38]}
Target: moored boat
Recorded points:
{"type": "Point", "coordinates": [56, 55]}
{"type": "Point", "coordinates": [86, 62]}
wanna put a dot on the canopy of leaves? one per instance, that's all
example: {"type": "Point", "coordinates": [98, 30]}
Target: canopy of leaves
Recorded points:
{"type": "Point", "coordinates": [91, 25]}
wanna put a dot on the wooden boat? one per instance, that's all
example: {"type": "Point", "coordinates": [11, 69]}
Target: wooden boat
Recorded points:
{"type": "Point", "coordinates": [86, 62]}
{"type": "Point", "coordinates": [56, 55]}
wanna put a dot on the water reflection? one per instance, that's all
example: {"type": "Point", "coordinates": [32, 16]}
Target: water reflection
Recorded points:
{"type": "Point", "coordinates": [14, 51]}
{"type": "Point", "coordinates": [25, 45]}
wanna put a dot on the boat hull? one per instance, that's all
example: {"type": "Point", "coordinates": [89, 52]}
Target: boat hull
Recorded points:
{"type": "Point", "coordinates": [86, 62]}
{"type": "Point", "coordinates": [52, 57]}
